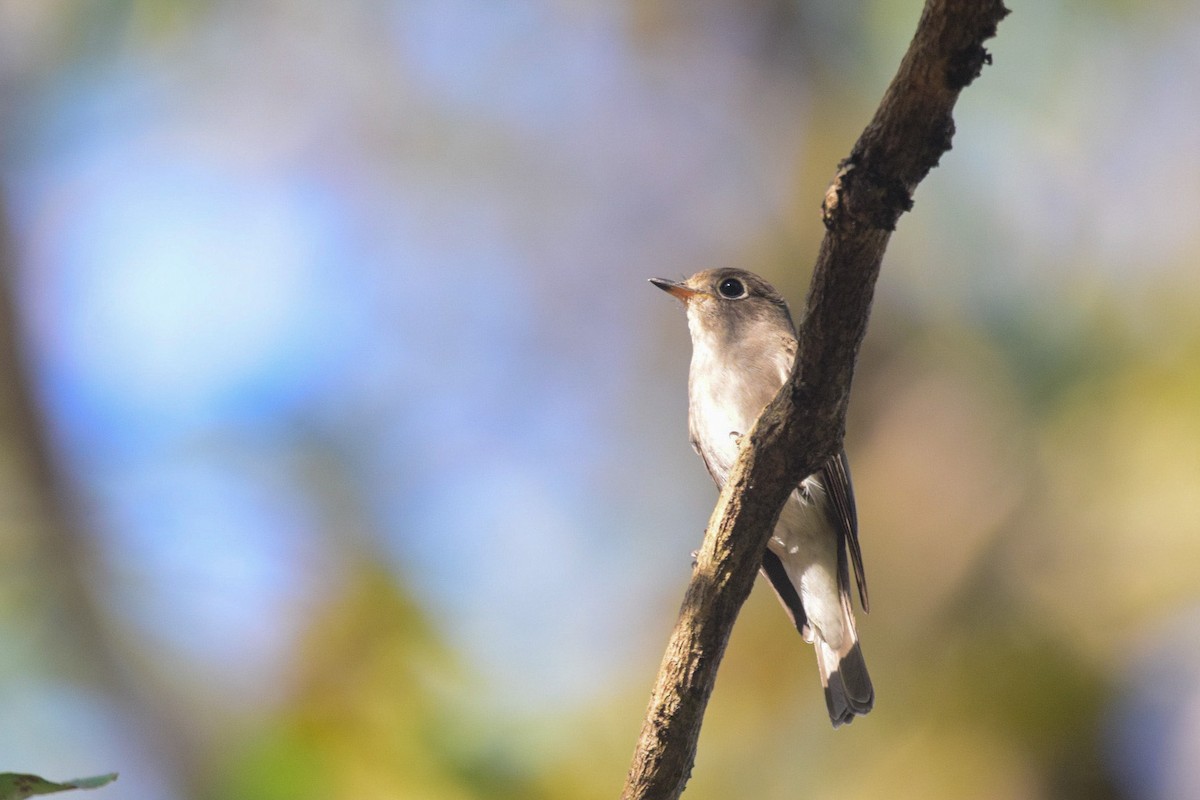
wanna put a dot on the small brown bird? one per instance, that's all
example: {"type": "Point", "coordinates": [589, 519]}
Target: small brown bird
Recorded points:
{"type": "Point", "coordinates": [743, 346]}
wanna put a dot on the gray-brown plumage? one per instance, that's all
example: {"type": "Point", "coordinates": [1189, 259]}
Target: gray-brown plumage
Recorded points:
{"type": "Point", "coordinates": [743, 345]}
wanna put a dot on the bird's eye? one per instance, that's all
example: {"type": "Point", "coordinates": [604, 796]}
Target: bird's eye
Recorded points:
{"type": "Point", "coordinates": [732, 289]}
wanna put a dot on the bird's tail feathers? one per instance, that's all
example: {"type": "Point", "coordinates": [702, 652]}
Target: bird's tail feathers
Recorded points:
{"type": "Point", "coordinates": [848, 689]}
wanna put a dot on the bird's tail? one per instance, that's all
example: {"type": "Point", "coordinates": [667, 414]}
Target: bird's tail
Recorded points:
{"type": "Point", "coordinates": [848, 689]}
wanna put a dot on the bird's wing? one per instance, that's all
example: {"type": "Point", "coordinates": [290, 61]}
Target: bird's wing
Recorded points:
{"type": "Point", "coordinates": [772, 567]}
{"type": "Point", "coordinates": [836, 477]}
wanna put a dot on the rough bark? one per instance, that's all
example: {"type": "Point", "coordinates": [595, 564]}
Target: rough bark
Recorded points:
{"type": "Point", "coordinates": [805, 423]}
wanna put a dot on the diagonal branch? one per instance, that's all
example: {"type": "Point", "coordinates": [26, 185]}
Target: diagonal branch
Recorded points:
{"type": "Point", "coordinates": [804, 425]}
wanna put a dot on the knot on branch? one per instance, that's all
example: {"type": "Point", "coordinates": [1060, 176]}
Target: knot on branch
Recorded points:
{"type": "Point", "coordinates": [967, 64]}
{"type": "Point", "coordinates": [860, 198]}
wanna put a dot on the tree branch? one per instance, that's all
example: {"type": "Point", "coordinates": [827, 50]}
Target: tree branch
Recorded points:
{"type": "Point", "coordinates": [804, 425]}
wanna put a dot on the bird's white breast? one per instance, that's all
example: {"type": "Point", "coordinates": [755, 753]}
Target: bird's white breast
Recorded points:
{"type": "Point", "coordinates": [728, 387]}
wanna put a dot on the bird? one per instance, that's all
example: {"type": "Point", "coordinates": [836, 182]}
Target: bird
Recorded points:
{"type": "Point", "coordinates": [743, 346]}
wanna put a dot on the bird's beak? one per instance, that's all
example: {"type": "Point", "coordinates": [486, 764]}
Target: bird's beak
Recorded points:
{"type": "Point", "coordinates": [679, 290]}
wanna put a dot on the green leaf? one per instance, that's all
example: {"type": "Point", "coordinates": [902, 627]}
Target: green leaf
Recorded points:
{"type": "Point", "coordinates": [15, 786]}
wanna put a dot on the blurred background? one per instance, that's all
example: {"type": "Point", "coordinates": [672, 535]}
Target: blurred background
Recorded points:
{"type": "Point", "coordinates": [343, 449]}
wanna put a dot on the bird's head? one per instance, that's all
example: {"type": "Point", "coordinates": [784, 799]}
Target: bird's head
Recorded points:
{"type": "Point", "coordinates": [729, 305]}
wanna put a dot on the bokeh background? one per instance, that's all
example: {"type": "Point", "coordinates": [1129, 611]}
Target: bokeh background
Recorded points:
{"type": "Point", "coordinates": [343, 449]}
